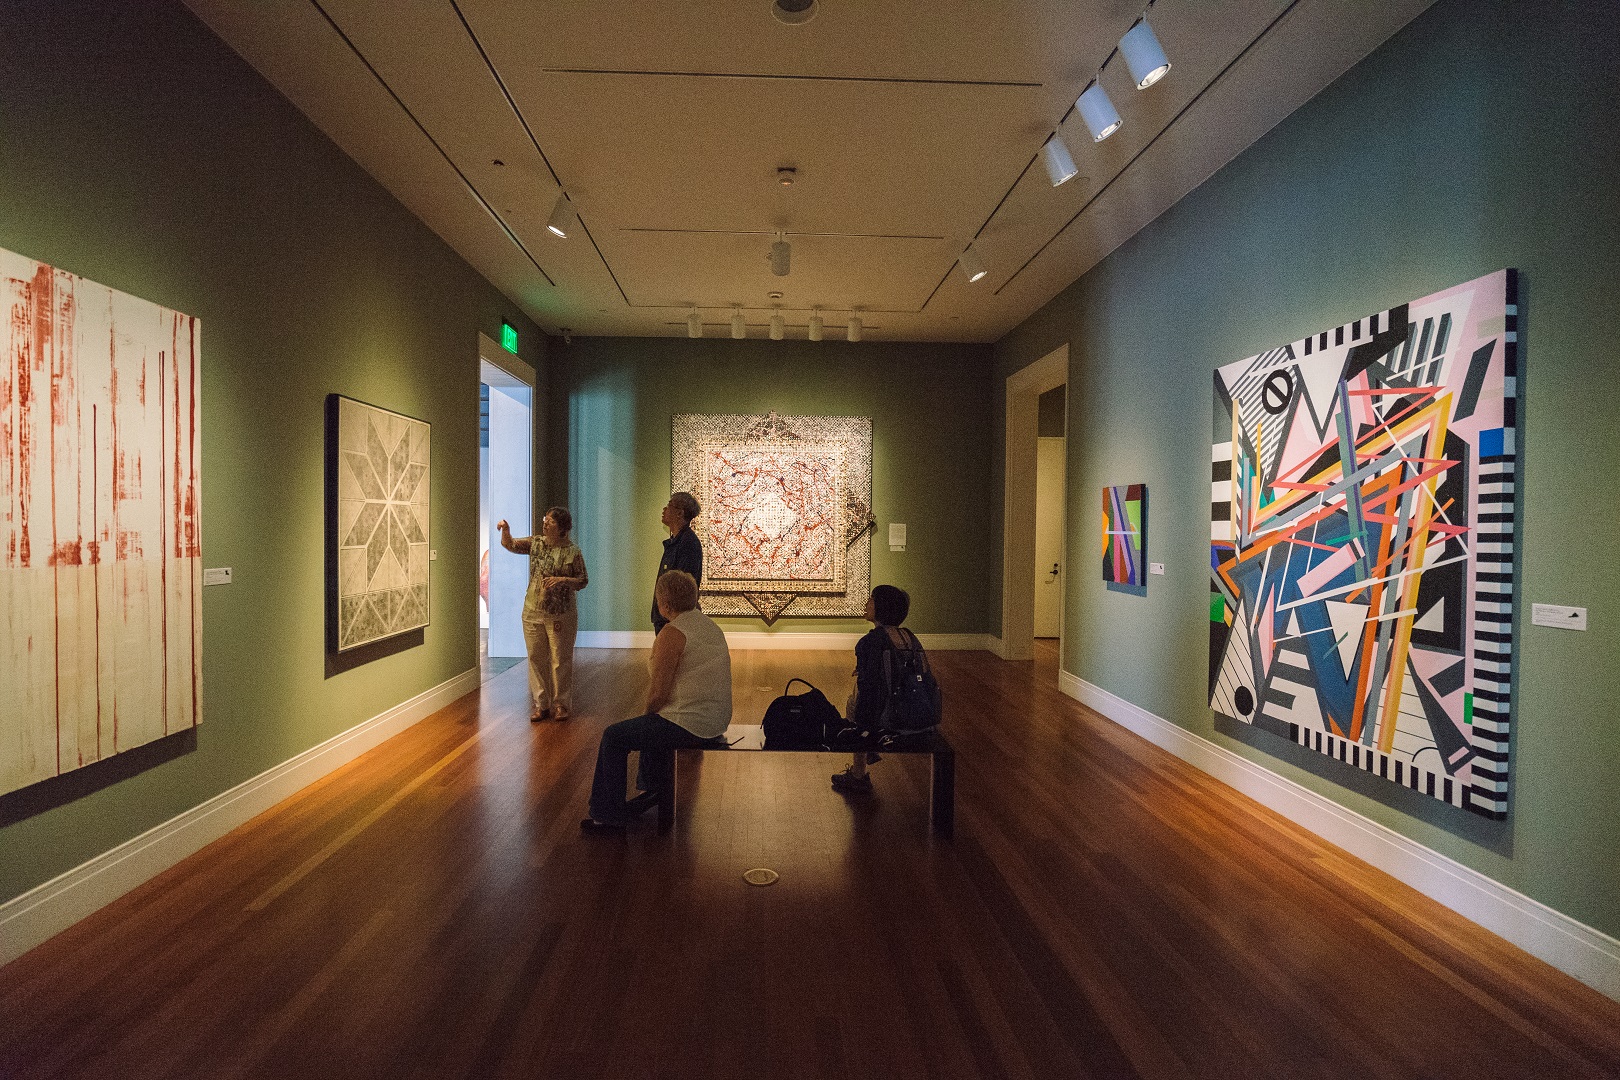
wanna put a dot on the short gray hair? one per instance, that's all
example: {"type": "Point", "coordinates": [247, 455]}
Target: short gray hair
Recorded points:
{"type": "Point", "coordinates": [683, 501]}
{"type": "Point", "coordinates": [677, 590]}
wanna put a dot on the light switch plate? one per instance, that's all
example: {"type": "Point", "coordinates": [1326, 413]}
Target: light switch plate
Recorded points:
{"type": "Point", "coordinates": [217, 575]}
{"type": "Point", "coordinates": [1156, 568]}
{"type": "Point", "coordinates": [1564, 618]}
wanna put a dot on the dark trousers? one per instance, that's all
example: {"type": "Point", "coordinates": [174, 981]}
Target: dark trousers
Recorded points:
{"type": "Point", "coordinates": [650, 732]}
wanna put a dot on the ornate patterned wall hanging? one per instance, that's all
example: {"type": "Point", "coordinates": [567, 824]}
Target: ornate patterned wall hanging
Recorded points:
{"type": "Point", "coordinates": [1362, 531]}
{"type": "Point", "coordinates": [786, 511]}
{"type": "Point", "coordinates": [377, 534]}
{"type": "Point", "coordinates": [100, 509]}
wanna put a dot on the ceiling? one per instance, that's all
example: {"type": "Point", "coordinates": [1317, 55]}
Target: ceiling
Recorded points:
{"type": "Point", "coordinates": [914, 127]}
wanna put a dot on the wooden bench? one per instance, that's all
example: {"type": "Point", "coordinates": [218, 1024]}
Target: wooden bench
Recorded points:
{"type": "Point", "coordinates": [751, 738]}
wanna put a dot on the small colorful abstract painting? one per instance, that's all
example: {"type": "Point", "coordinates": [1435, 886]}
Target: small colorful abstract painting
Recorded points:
{"type": "Point", "coordinates": [1362, 538]}
{"type": "Point", "coordinates": [1124, 538]}
{"type": "Point", "coordinates": [100, 517]}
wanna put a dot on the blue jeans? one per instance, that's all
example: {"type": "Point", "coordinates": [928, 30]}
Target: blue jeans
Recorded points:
{"type": "Point", "coordinates": [650, 732]}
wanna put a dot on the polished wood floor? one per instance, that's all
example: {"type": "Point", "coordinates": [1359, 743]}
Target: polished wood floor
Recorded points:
{"type": "Point", "coordinates": [431, 910]}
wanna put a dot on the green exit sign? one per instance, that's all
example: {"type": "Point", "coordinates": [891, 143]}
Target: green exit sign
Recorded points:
{"type": "Point", "coordinates": [508, 336]}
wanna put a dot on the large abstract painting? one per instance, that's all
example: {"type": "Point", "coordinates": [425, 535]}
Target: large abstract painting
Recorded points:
{"type": "Point", "coordinates": [1362, 531]}
{"type": "Point", "coordinates": [1124, 539]}
{"type": "Point", "coordinates": [786, 511]}
{"type": "Point", "coordinates": [377, 539]}
{"type": "Point", "coordinates": [100, 509]}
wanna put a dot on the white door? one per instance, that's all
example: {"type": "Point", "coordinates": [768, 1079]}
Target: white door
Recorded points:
{"type": "Point", "coordinates": [1049, 570]}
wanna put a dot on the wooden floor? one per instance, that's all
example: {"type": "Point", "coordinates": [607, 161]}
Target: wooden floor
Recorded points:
{"type": "Point", "coordinates": [431, 910]}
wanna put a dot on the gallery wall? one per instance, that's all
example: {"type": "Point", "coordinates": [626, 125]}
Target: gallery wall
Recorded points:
{"type": "Point", "coordinates": [611, 404]}
{"type": "Point", "coordinates": [143, 154]}
{"type": "Point", "coordinates": [1479, 137]}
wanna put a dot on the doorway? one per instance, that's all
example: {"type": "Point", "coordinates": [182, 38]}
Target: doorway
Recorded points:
{"type": "Point", "coordinates": [1050, 526]}
{"type": "Point", "coordinates": [505, 490]}
{"type": "Point", "coordinates": [1019, 566]}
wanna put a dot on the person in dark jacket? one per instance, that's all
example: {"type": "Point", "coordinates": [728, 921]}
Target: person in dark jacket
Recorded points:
{"type": "Point", "coordinates": [683, 550]}
{"type": "Point", "coordinates": [886, 609]}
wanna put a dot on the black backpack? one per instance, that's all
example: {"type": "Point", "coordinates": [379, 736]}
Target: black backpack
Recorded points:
{"type": "Point", "coordinates": [800, 718]}
{"type": "Point", "coordinates": [913, 704]}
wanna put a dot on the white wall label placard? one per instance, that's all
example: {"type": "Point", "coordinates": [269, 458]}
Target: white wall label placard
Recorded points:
{"type": "Point", "coordinates": [897, 537]}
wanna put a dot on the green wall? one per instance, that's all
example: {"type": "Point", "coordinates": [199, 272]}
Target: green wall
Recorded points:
{"type": "Point", "coordinates": [139, 151]}
{"type": "Point", "coordinates": [1481, 136]}
{"type": "Point", "coordinates": [611, 400]}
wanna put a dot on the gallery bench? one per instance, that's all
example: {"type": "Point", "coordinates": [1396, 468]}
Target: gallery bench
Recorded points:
{"type": "Point", "coordinates": [750, 738]}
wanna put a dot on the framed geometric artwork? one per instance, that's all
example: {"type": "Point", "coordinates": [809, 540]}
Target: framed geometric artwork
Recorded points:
{"type": "Point", "coordinates": [786, 511]}
{"type": "Point", "coordinates": [1124, 539]}
{"type": "Point", "coordinates": [377, 533]}
{"type": "Point", "coordinates": [100, 522]}
{"type": "Point", "coordinates": [1362, 539]}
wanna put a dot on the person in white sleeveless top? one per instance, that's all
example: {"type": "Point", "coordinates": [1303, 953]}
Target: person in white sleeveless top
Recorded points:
{"type": "Point", "coordinates": [688, 704]}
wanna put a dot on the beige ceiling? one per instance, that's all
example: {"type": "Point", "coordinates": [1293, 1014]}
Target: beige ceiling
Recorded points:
{"type": "Point", "coordinates": [914, 128]}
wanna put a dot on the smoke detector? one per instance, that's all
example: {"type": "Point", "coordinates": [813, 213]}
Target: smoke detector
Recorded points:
{"type": "Point", "coordinates": [793, 12]}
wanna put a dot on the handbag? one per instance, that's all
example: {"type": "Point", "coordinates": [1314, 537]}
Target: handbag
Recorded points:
{"type": "Point", "coordinates": [797, 719]}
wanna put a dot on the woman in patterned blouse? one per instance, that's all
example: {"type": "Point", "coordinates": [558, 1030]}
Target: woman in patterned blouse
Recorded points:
{"type": "Point", "coordinates": [550, 616]}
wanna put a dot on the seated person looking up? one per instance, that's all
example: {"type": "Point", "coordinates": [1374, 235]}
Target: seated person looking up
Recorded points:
{"type": "Point", "coordinates": [688, 704]}
{"type": "Point", "coordinates": [886, 608]}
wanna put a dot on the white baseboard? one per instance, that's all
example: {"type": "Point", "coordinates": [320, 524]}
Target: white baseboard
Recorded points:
{"type": "Point", "coordinates": [758, 639]}
{"type": "Point", "coordinates": [1572, 947]}
{"type": "Point", "coordinates": [48, 909]}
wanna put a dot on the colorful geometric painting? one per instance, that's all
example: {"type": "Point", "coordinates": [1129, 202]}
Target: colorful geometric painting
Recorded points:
{"type": "Point", "coordinates": [1362, 531]}
{"type": "Point", "coordinates": [380, 540]}
{"type": "Point", "coordinates": [100, 509]}
{"type": "Point", "coordinates": [1124, 543]}
{"type": "Point", "coordinates": [785, 511]}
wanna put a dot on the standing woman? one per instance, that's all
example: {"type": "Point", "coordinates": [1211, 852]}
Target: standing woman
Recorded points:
{"type": "Point", "coordinates": [550, 615]}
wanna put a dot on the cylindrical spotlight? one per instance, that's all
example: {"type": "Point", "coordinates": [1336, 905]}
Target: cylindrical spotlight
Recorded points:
{"type": "Point", "coordinates": [1059, 165]}
{"type": "Point", "coordinates": [778, 326]}
{"type": "Point", "coordinates": [694, 324]}
{"type": "Point", "coordinates": [739, 329]}
{"type": "Point", "coordinates": [815, 325]}
{"type": "Point", "coordinates": [1144, 55]}
{"type": "Point", "coordinates": [781, 258]}
{"type": "Point", "coordinates": [971, 264]}
{"type": "Point", "coordinates": [562, 215]}
{"type": "Point", "coordinates": [1101, 118]}
{"type": "Point", "coordinates": [854, 327]}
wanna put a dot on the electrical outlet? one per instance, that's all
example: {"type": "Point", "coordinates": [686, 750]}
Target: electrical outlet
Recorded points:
{"type": "Point", "coordinates": [218, 575]}
{"type": "Point", "coordinates": [1564, 618]}
{"type": "Point", "coordinates": [1156, 568]}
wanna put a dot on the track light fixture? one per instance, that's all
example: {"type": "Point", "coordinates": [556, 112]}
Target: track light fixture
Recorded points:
{"type": "Point", "coordinates": [694, 324]}
{"type": "Point", "coordinates": [1101, 118]}
{"type": "Point", "coordinates": [1143, 55]}
{"type": "Point", "coordinates": [1060, 166]}
{"type": "Point", "coordinates": [562, 215]}
{"type": "Point", "coordinates": [781, 256]}
{"type": "Point", "coordinates": [778, 326]}
{"type": "Point", "coordinates": [815, 324]}
{"type": "Point", "coordinates": [972, 265]}
{"type": "Point", "coordinates": [854, 333]}
{"type": "Point", "coordinates": [739, 329]}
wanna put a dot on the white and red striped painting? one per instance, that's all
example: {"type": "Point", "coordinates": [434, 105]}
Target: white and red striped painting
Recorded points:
{"type": "Point", "coordinates": [100, 549]}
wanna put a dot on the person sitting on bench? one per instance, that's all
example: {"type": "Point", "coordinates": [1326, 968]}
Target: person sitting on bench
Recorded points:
{"type": "Point", "coordinates": [688, 704]}
{"type": "Point", "coordinates": [886, 609]}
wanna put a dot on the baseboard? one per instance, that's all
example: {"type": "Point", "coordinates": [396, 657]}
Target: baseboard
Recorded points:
{"type": "Point", "coordinates": [1572, 947]}
{"type": "Point", "coordinates": [757, 639]}
{"type": "Point", "coordinates": [48, 909]}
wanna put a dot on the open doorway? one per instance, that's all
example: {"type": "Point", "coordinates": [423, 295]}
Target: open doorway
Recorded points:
{"type": "Point", "coordinates": [1020, 570]}
{"type": "Point", "coordinates": [1050, 463]}
{"type": "Point", "coordinates": [505, 490]}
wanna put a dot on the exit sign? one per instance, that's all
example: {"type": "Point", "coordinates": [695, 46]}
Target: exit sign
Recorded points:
{"type": "Point", "coordinates": [508, 336]}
